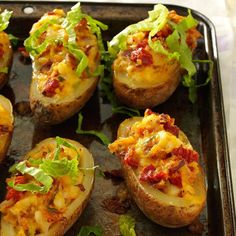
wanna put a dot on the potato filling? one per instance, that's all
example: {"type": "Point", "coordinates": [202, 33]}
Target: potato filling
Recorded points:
{"type": "Point", "coordinates": [30, 211]}
{"type": "Point", "coordinates": [157, 151]}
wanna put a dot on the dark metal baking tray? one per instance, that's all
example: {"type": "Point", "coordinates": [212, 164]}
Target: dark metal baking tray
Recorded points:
{"type": "Point", "coordinates": [203, 122]}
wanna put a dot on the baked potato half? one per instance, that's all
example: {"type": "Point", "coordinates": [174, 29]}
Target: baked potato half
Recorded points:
{"type": "Point", "coordinates": [48, 190]}
{"type": "Point", "coordinates": [6, 125]}
{"type": "Point", "coordinates": [6, 53]}
{"type": "Point", "coordinates": [151, 56]}
{"type": "Point", "coordinates": [66, 52]}
{"type": "Point", "coordinates": [161, 169]}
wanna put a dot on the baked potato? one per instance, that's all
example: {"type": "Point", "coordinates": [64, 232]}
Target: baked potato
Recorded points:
{"type": "Point", "coordinates": [161, 169]}
{"type": "Point", "coordinates": [151, 56]}
{"type": "Point", "coordinates": [6, 125]}
{"type": "Point", "coordinates": [6, 53]}
{"type": "Point", "coordinates": [66, 52]}
{"type": "Point", "coordinates": [48, 189]}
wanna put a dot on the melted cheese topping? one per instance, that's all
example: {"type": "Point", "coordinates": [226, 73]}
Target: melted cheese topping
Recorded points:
{"type": "Point", "coordinates": [33, 214]}
{"type": "Point", "coordinates": [152, 145]}
{"type": "Point", "coordinates": [57, 62]}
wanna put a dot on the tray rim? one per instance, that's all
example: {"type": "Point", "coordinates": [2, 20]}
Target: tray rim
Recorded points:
{"type": "Point", "coordinates": [222, 134]}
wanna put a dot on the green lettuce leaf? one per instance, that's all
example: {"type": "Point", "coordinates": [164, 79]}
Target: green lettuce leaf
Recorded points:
{"type": "Point", "coordinates": [32, 42]}
{"type": "Point", "coordinates": [39, 175]}
{"type": "Point", "coordinates": [90, 230]}
{"type": "Point", "coordinates": [105, 140]}
{"type": "Point", "coordinates": [62, 142]}
{"type": "Point", "coordinates": [14, 40]}
{"type": "Point", "coordinates": [57, 168]}
{"type": "Point", "coordinates": [127, 225]}
{"type": "Point", "coordinates": [154, 23]}
{"type": "Point", "coordinates": [4, 19]}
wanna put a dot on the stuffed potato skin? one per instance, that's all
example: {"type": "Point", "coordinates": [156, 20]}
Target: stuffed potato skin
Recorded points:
{"type": "Point", "coordinates": [76, 196]}
{"type": "Point", "coordinates": [143, 95]}
{"type": "Point", "coordinates": [163, 207]}
{"type": "Point", "coordinates": [151, 57]}
{"type": "Point", "coordinates": [6, 55]}
{"type": "Point", "coordinates": [66, 71]}
{"type": "Point", "coordinates": [6, 125]}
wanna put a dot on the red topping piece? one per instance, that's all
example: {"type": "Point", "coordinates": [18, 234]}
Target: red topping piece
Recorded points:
{"type": "Point", "coordinates": [14, 194]}
{"type": "Point", "coordinates": [50, 87]}
{"type": "Point", "coordinates": [176, 180]}
{"type": "Point", "coordinates": [149, 175]}
{"type": "Point", "coordinates": [130, 160]}
{"type": "Point", "coordinates": [187, 154]}
{"type": "Point", "coordinates": [141, 54]}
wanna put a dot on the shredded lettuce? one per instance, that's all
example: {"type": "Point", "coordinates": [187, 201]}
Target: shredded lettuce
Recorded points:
{"type": "Point", "coordinates": [176, 42]}
{"type": "Point", "coordinates": [4, 19]}
{"type": "Point", "coordinates": [14, 40]}
{"type": "Point", "coordinates": [57, 168]}
{"type": "Point", "coordinates": [90, 230]}
{"type": "Point", "coordinates": [127, 225]}
{"type": "Point", "coordinates": [105, 140]}
{"type": "Point", "coordinates": [32, 44]}
{"type": "Point", "coordinates": [38, 174]}
{"type": "Point", "coordinates": [68, 23]}
{"type": "Point", "coordinates": [44, 170]}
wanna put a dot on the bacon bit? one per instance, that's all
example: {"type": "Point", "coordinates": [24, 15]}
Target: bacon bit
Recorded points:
{"type": "Point", "coordinates": [82, 188]}
{"type": "Point", "coordinates": [143, 43]}
{"type": "Point", "coordinates": [176, 179]}
{"type": "Point", "coordinates": [148, 175]}
{"type": "Point", "coordinates": [4, 129]}
{"type": "Point", "coordinates": [165, 32]}
{"type": "Point", "coordinates": [129, 158]}
{"type": "Point", "coordinates": [50, 87]}
{"type": "Point", "coordinates": [127, 53]}
{"type": "Point", "coordinates": [46, 67]}
{"type": "Point", "coordinates": [140, 54]}
{"type": "Point", "coordinates": [148, 112]}
{"type": "Point", "coordinates": [172, 129]}
{"type": "Point", "coordinates": [82, 24]}
{"type": "Point", "coordinates": [187, 154]}
{"type": "Point", "coordinates": [14, 194]}
{"type": "Point", "coordinates": [115, 205]}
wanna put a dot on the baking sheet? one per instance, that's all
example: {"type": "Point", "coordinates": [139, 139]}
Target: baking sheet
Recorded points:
{"type": "Point", "coordinates": [203, 122]}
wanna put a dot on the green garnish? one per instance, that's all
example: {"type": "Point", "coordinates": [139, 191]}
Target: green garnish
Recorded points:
{"type": "Point", "coordinates": [68, 23]}
{"type": "Point", "coordinates": [127, 225]}
{"type": "Point", "coordinates": [14, 40]}
{"type": "Point", "coordinates": [4, 19]}
{"type": "Point", "coordinates": [44, 170]}
{"type": "Point", "coordinates": [90, 230]}
{"type": "Point", "coordinates": [176, 42]}
{"type": "Point", "coordinates": [105, 140]}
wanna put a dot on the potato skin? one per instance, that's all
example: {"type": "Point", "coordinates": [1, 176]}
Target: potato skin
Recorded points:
{"type": "Point", "coordinates": [147, 97]}
{"type": "Point", "coordinates": [159, 211]}
{"type": "Point", "coordinates": [6, 60]}
{"type": "Point", "coordinates": [54, 113]}
{"type": "Point", "coordinates": [6, 136]}
{"type": "Point", "coordinates": [76, 207]}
